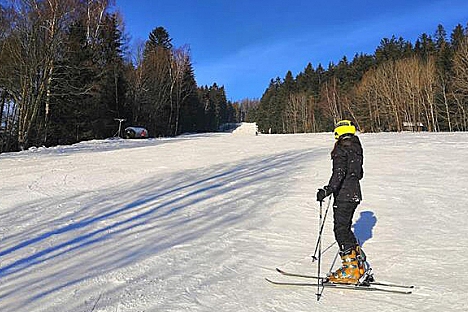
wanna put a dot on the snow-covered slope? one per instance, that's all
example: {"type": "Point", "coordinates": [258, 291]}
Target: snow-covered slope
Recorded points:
{"type": "Point", "coordinates": [246, 128]}
{"type": "Point", "coordinates": [196, 223]}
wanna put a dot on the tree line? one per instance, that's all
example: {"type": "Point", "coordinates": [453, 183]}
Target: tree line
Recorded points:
{"type": "Point", "coordinates": [402, 86]}
{"type": "Point", "coordinates": [65, 76]}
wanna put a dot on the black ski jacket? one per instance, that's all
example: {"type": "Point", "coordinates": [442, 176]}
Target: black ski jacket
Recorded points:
{"type": "Point", "coordinates": [347, 159]}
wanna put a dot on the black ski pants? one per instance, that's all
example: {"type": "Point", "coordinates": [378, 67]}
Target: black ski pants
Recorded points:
{"type": "Point", "coordinates": [342, 219]}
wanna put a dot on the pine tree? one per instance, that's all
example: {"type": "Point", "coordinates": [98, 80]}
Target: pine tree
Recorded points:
{"type": "Point", "coordinates": [74, 84]}
{"type": "Point", "coordinates": [111, 86]}
{"type": "Point", "coordinates": [392, 49]}
{"type": "Point", "coordinates": [159, 38]}
{"type": "Point", "coordinates": [189, 109]}
{"type": "Point", "coordinates": [425, 46]}
{"type": "Point", "coordinates": [457, 36]}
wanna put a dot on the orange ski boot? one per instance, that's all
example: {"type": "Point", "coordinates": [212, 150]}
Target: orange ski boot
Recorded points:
{"type": "Point", "coordinates": [350, 272]}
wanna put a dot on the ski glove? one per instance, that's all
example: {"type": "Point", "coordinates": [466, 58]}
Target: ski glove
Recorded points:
{"type": "Point", "coordinates": [323, 193]}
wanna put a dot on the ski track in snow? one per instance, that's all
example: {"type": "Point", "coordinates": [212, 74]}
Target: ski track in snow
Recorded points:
{"type": "Point", "coordinates": [196, 223]}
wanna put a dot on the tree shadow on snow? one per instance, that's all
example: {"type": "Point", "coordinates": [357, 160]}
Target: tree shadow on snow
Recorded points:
{"type": "Point", "coordinates": [145, 221]}
{"type": "Point", "coordinates": [364, 226]}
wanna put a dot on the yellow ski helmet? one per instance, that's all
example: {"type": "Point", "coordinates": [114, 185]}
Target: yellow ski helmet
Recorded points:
{"type": "Point", "coordinates": [344, 127]}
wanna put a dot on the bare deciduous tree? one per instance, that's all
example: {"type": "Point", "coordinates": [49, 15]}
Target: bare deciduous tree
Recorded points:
{"type": "Point", "coordinates": [34, 48]}
{"type": "Point", "coordinates": [156, 97]}
{"type": "Point", "coordinates": [181, 86]}
{"type": "Point", "coordinates": [460, 83]}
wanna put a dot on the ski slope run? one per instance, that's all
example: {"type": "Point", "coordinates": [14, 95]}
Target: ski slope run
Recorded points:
{"type": "Point", "coordinates": [196, 223]}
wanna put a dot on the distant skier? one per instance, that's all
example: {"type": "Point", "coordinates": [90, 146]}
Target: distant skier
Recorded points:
{"type": "Point", "coordinates": [347, 157]}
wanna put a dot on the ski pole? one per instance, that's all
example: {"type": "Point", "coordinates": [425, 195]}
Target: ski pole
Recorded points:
{"type": "Point", "coordinates": [321, 225]}
{"type": "Point", "coordinates": [319, 241]}
{"type": "Point", "coordinates": [334, 261]}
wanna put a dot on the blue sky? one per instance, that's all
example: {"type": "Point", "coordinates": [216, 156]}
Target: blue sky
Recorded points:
{"type": "Point", "coordinates": [243, 44]}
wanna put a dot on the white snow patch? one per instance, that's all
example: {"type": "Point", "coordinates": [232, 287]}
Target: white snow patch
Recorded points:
{"type": "Point", "coordinates": [246, 128]}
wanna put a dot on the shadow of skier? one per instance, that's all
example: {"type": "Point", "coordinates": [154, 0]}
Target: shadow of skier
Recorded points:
{"type": "Point", "coordinates": [364, 226]}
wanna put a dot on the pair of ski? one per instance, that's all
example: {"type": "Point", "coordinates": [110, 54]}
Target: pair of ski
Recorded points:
{"type": "Point", "coordinates": [369, 286]}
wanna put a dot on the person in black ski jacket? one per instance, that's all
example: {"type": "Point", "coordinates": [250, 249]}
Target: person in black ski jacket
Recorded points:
{"type": "Point", "coordinates": [347, 157]}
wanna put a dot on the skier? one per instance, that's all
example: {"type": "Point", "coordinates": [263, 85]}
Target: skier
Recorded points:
{"type": "Point", "coordinates": [347, 157]}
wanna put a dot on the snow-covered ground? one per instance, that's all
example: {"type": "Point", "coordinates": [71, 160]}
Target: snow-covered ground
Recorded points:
{"type": "Point", "coordinates": [196, 223]}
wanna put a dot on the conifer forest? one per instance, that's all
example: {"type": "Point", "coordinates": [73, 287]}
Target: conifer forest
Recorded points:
{"type": "Point", "coordinates": [66, 75]}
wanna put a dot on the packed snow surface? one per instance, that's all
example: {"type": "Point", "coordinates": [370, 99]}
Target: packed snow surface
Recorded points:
{"type": "Point", "coordinates": [196, 223]}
